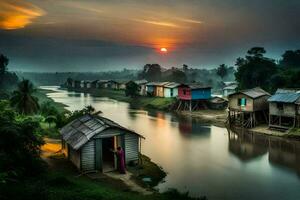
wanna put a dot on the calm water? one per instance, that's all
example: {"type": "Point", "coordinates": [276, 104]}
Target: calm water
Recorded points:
{"type": "Point", "coordinates": [205, 160]}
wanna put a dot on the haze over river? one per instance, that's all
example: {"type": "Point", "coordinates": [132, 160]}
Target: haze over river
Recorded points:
{"type": "Point", "coordinates": [204, 159]}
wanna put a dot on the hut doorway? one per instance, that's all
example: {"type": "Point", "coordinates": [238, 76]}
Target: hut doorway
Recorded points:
{"type": "Point", "coordinates": [108, 157]}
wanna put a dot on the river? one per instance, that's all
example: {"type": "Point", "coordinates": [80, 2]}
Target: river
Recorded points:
{"type": "Point", "coordinates": [204, 159]}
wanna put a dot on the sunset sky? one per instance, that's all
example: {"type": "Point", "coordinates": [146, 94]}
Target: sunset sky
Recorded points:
{"type": "Point", "coordinates": [97, 35]}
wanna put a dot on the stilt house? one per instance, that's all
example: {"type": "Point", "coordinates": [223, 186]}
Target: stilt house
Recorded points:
{"type": "Point", "coordinates": [87, 142]}
{"type": "Point", "coordinates": [284, 109]}
{"type": "Point", "coordinates": [248, 107]}
{"type": "Point", "coordinates": [193, 96]}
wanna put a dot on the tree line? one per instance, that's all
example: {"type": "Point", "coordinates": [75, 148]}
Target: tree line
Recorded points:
{"type": "Point", "coordinates": [257, 70]}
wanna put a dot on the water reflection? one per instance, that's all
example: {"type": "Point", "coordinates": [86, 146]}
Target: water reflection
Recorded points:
{"type": "Point", "coordinates": [282, 153]}
{"type": "Point", "coordinates": [204, 159]}
{"type": "Point", "coordinates": [246, 146]}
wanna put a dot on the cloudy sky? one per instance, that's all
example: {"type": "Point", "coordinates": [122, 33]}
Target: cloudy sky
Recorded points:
{"type": "Point", "coordinates": [97, 35]}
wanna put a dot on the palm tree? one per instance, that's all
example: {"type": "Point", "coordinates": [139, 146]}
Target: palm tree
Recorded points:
{"type": "Point", "coordinates": [23, 100]}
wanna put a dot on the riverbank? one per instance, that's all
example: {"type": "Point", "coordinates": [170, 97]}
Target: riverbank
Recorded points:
{"type": "Point", "coordinates": [293, 133]}
{"type": "Point", "coordinates": [63, 181]}
{"type": "Point", "coordinates": [41, 94]}
{"type": "Point", "coordinates": [215, 117]}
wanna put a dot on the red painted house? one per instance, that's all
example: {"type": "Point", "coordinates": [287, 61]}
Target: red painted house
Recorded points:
{"type": "Point", "coordinates": [194, 91]}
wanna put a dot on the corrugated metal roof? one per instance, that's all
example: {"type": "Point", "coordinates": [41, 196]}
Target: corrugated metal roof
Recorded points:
{"type": "Point", "coordinates": [141, 82]}
{"type": "Point", "coordinates": [231, 87]}
{"type": "Point", "coordinates": [157, 83]}
{"type": "Point", "coordinates": [285, 96]}
{"type": "Point", "coordinates": [81, 130]}
{"type": "Point", "coordinates": [171, 85]}
{"type": "Point", "coordinates": [253, 93]}
{"type": "Point", "coordinates": [195, 86]}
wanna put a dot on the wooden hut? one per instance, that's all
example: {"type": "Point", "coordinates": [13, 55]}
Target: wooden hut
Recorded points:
{"type": "Point", "coordinates": [82, 84]}
{"type": "Point", "coordinates": [155, 89]}
{"type": "Point", "coordinates": [94, 84]}
{"type": "Point", "coordinates": [218, 103]}
{"type": "Point", "coordinates": [193, 96]}
{"type": "Point", "coordinates": [160, 89]}
{"type": "Point", "coordinates": [248, 107]}
{"type": "Point", "coordinates": [284, 109]}
{"type": "Point", "coordinates": [142, 86]}
{"type": "Point", "coordinates": [151, 89]}
{"type": "Point", "coordinates": [88, 84]}
{"type": "Point", "coordinates": [102, 84]}
{"type": "Point", "coordinates": [88, 140]}
{"type": "Point", "coordinates": [111, 84]}
{"type": "Point", "coordinates": [122, 85]}
{"type": "Point", "coordinates": [229, 89]}
{"type": "Point", "coordinates": [171, 89]}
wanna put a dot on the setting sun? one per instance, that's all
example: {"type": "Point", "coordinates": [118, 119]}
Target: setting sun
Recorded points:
{"type": "Point", "coordinates": [164, 50]}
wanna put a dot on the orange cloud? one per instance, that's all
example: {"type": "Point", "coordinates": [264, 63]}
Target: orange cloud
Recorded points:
{"type": "Point", "coordinates": [159, 23]}
{"type": "Point", "coordinates": [16, 14]}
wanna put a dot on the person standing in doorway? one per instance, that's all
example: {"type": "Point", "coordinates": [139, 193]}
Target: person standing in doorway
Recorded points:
{"type": "Point", "coordinates": [120, 160]}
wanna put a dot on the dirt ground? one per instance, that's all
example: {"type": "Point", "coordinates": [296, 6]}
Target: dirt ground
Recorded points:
{"type": "Point", "coordinates": [215, 117]}
{"type": "Point", "coordinates": [56, 161]}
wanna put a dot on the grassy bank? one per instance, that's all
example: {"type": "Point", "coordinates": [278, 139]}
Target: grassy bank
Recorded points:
{"type": "Point", "coordinates": [137, 102]}
{"type": "Point", "coordinates": [42, 96]}
{"type": "Point", "coordinates": [149, 171]}
{"type": "Point", "coordinates": [65, 186]}
{"type": "Point", "coordinates": [62, 181]}
{"type": "Point", "coordinates": [294, 133]}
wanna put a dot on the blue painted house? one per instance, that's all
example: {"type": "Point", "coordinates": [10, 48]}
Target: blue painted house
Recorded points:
{"type": "Point", "coordinates": [194, 91]}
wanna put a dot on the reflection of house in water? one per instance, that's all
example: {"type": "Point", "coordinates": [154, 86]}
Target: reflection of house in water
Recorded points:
{"type": "Point", "coordinates": [247, 146]}
{"type": "Point", "coordinates": [285, 153]}
{"type": "Point", "coordinates": [187, 126]}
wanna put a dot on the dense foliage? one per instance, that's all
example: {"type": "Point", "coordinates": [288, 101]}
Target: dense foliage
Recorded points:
{"type": "Point", "coordinates": [8, 80]}
{"type": "Point", "coordinates": [19, 144]}
{"type": "Point", "coordinates": [257, 70]}
{"type": "Point", "coordinates": [23, 99]}
{"type": "Point", "coordinates": [132, 89]}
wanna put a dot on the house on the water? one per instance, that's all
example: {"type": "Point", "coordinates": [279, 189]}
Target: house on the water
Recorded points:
{"type": "Point", "coordinates": [194, 91]}
{"type": "Point", "coordinates": [248, 107]}
{"type": "Point", "coordinates": [193, 96]}
{"type": "Point", "coordinates": [142, 86]}
{"type": "Point", "coordinates": [171, 89]}
{"type": "Point", "coordinates": [87, 142]}
{"type": "Point", "coordinates": [284, 109]}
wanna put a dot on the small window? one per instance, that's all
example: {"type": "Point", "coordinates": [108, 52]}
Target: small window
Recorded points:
{"type": "Point", "coordinates": [280, 106]}
{"type": "Point", "coordinates": [242, 102]}
{"type": "Point", "coordinates": [171, 91]}
{"type": "Point", "coordinates": [184, 92]}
